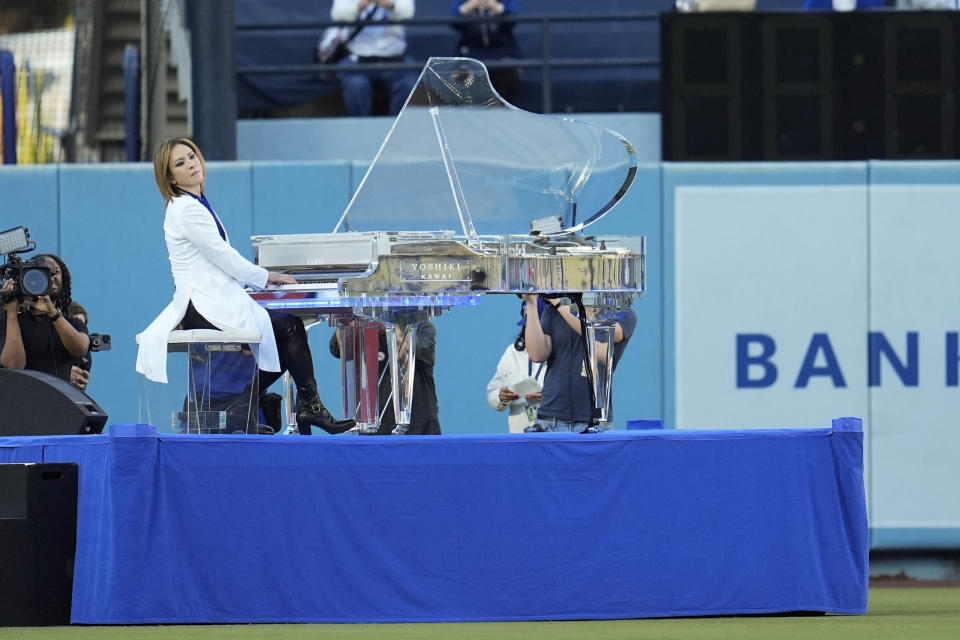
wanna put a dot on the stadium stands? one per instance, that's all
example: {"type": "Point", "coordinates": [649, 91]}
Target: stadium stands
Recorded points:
{"type": "Point", "coordinates": [591, 89]}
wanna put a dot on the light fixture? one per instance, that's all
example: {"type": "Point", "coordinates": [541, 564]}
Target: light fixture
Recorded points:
{"type": "Point", "coordinates": [14, 240]}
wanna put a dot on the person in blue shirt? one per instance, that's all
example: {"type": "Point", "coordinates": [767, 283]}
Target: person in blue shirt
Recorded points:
{"type": "Point", "coordinates": [487, 36]}
{"type": "Point", "coordinates": [554, 337]}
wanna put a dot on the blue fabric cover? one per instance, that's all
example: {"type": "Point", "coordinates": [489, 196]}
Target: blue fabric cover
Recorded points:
{"type": "Point", "coordinates": [187, 528]}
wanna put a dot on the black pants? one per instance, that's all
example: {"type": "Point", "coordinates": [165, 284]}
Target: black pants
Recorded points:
{"type": "Point", "coordinates": [292, 346]}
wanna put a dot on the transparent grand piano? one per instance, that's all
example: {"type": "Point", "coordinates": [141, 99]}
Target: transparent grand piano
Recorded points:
{"type": "Point", "coordinates": [468, 196]}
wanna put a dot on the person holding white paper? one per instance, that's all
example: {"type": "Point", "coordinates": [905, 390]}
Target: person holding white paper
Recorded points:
{"type": "Point", "coordinates": [518, 383]}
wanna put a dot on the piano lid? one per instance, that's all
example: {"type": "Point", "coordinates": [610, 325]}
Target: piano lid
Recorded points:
{"type": "Point", "coordinates": [459, 157]}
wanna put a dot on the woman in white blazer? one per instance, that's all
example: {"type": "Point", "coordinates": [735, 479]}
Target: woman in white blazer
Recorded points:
{"type": "Point", "coordinates": [209, 276]}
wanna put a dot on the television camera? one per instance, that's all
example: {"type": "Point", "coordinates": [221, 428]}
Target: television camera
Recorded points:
{"type": "Point", "coordinates": [31, 277]}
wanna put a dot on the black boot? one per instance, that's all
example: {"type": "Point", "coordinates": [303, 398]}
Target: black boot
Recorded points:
{"type": "Point", "coordinates": [311, 412]}
{"type": "Point", "coordinates": [243, 418]}
{"type": "Point", "coordinates": [243, 412]}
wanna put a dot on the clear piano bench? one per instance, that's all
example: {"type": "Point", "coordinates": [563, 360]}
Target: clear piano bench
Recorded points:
{"type": "Point", "coordinates": [213, 384]}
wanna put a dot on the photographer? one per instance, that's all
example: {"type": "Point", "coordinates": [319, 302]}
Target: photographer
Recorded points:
{"type": "Point", "coordinates": [486, 38]}
{"type": "Point", "coordinates": [555, 337]}
{"type": "Point", "coordinates": [35, 334]}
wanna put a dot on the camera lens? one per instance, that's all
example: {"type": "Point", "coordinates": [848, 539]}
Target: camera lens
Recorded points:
{"type": "Point", "coordinates": [35, 282]}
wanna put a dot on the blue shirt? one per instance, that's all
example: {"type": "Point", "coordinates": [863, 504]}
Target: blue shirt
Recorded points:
{"type": "Point", "coordinates": [565, 391]}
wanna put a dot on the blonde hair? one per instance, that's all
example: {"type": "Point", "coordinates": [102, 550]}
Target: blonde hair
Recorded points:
{"type": "Point", "coordinates": [161, 165]}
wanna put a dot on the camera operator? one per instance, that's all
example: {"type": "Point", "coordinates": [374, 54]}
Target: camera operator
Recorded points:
{"type": "Point", "coordinates": [35, 334]}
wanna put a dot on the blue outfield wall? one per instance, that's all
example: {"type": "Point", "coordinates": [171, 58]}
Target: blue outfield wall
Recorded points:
{"type": "Point", "coordinates": [794, 291]}
{"type": "Point", "coordinates": [709, 179]}
{"type": "Point", "coordinates": [358, 139]}
{"type": "Point", "coordinates": [32, 192]}
{"type": "Point", "coordinates": [813, 257]}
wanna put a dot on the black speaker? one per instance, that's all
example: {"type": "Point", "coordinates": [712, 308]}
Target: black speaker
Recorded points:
{"type": "Point", "coordinates": [38, 539]}
{"type": "Point", "coordinates": [37, 404]}
{"type": "Point", "coordinates": [797, 88]}
{"type": "Point", "coordinates": [702, 84]}
{"type": "Point", "coordinates": [852, 85]}
{"type": "Point", "coordinates": [919, 101]}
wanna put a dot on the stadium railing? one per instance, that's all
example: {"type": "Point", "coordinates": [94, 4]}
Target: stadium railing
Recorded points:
{"type": "Point", "coordinates": [545, 61]}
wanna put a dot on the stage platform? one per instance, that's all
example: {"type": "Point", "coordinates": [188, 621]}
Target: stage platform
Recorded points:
{"type": "Point", "coordinates": [626, 524]}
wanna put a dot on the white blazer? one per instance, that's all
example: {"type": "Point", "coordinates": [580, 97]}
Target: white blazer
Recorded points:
{"type": "Point", "coordinates": [513, 367]}
{"type": "Point", "coordinates": [211, 273]}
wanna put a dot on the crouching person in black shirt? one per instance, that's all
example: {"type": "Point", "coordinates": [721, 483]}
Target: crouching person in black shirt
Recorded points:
{"type": "Point", "coordinates": [424, 411]}
{"type": "Point", "coordinates": [35, 334]}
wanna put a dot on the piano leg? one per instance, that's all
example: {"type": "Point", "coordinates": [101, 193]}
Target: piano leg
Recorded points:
{"type": "Point", "coordinates": [601, 365]}
{"type": "Point", "coordinates": [289, 403]}
{"type": "Point", "coordinates": [359, 351]}
{"type": "Point", "coordinates": [402, 347]}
